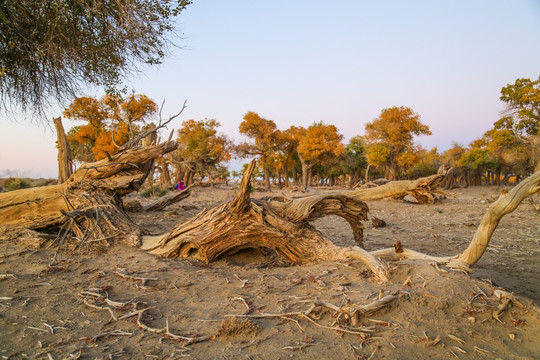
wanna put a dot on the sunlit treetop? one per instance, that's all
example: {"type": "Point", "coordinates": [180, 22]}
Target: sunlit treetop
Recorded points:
{"type": "Point", "coordinates": [320, 140]}
{"type": "Point", "coordinates": [200, 142]}
{"type": "Point", "coordinates": [396, 127]}
{"type": "Point", "coordinates": [523, 105]}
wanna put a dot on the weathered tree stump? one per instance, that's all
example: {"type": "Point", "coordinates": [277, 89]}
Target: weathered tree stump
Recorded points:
{"type": "Point", "coordinates": [275, 223]}
{"type": "Point", "coordinates": [88, 204]}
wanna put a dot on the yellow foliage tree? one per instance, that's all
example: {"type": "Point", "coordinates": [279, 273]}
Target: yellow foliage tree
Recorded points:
{"type": "Point", "coordinates": [319, 143]}
{"type": "Point", "coordinates": [200, 149]}
{"type": "Point", "coordinates": [395, 128]}
{"type": "Point", "coordinates": [110, 122]}
{"type": "Point", "coordinates": [264, 138]}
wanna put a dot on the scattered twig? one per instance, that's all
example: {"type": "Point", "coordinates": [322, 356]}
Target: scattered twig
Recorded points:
{"type": "Point", "coordinates": [408, 282]}
{"type": "Point", "coordinates": [74, 356]}
{"type": "Point", "coordinates": [5, 276]}
{"type": "Point", "coordinates": [480, 350]}
{"type": "Point", "coordinates": [94, 306]}
{"type": "Point", "coordinates": [248, 308]}
{"type": "Point", "coordinates": [51, 328]}
{"type": "Point", "coordinates": [143, 280]}
{"type": "Point", "coordinates": [35, 328]}
{"type": "Point", "coordinates": [112, 333]}
{"type": "Point", "coordinates": [244, 281]}
{"type": "Point", "coordinates": [301, 346]}
{"type": "Point", "coordinates": [455, 338]}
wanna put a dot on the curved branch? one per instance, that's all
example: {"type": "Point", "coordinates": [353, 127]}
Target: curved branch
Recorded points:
{"type": "Point", "coordinates": [504, 205]}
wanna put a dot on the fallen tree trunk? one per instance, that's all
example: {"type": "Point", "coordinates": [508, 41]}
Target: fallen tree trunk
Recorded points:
{"type": "Point", "coordinates": [422, 189]}
{"type": "Point", "coordinates": [276, 223]}
{"type": "Point", "coordinates": [167, 200]}
{"type": "Point", "coordinates": [89, 201]}
{"type": "Point", "coordinates": [282, 225]}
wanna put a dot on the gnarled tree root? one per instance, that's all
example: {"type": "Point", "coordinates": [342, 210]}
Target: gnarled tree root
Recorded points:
{"type": "Point", "coordinates": [276, 223]}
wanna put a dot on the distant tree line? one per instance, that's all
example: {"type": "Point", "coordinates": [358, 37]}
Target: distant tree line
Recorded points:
{"type": "Point", "coordinates": [317, 155]}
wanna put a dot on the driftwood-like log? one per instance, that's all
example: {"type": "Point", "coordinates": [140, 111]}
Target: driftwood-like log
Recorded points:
{"type": "Point", "coordinates": [96, 188]}
{"type": "Point", "coordinates": [276, 223]}
{"type": "Point", "coordinates": [167, 200]}
{"type": "Point", "coordinates": [422, 189]}
{"type": "Point", "coordinates": [504, 205]}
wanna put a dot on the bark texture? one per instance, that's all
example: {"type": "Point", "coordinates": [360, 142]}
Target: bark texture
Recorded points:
{"type": "Point", "coordinates": [65, 164]}
{"type": "Point", "coordinates": [422, 189]}
{"type": "Point", "coordinates": [278, 224]}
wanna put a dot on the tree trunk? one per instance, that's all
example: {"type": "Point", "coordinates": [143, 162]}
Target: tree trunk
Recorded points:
{"type": "Point", "coordinates": [148, 141]}
{"type": "Point", "coordinates": [266, 177]}
{"type": "Point", "coordinates": [306, 173]}
{"type": "Point", "coordinates": [367, 172]}
{"type": "Point", "coordinates": [286, 170]}
{"type": "Point", "coordinates": [165, 175]}
{"type": "Point", "coordinates": [294, 175]}
{"type": "Point", "coordinates": [167, 200]}
{"type": "Point", "coordinates": [88, 204]}
{"type": "Point", "coordinates": [275, 224]}
{"type": "Point", "coordinates": [65, 164]}
{"type": "Point", "coordinates": [390, 172]}
{"type": "Point", "coordinates": [422, 189]}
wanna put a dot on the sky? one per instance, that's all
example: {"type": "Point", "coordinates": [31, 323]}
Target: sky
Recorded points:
{"type": "Point", "coordinates": [303, 61]}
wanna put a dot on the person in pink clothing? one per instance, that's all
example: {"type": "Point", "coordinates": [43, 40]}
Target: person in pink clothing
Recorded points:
{"type": "Point", "coordinates": [179, 186]}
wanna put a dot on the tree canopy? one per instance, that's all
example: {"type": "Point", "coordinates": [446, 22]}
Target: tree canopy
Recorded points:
{"type": "Point", "coordinates": [50, 49]}
{"type": "Point", "coordinates": [264, 137]}
{"type": "Point", "coordinates": [394, 129]}
{"type": "Point", "coordinates": [201, 149]}
{"type": "Point", "coordinates": [523, 106]}
{"type": "Point", "coordinates": [110, 122]}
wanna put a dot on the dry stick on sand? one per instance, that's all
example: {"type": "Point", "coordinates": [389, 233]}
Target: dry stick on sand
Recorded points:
{"type": "Point", "coordinates": [351, 310]}
{"type": "Point", "coordinates": [139, 313]}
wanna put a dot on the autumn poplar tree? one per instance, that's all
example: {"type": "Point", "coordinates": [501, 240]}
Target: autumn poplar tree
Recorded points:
{"type": "Point", "coordinates": [319, 143]}
{"type": "Point", "coordinates": [353, 161]}
{"type": "Point", "coordinates": [391, 134]}
{"type": "Point", "coordinates": [263, 136]}
{"type": "Point", "coordinates": [522, 116]}
{"type": "Point", "coordinates": [288, 147]}
{"type": "Point", "coordinates": [109, 123]}
{"type": "Point", "coordinates": [200, 149]}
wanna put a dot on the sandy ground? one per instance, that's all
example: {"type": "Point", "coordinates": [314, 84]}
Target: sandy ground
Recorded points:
{"type": "Point", "coordinates": [60, 311]}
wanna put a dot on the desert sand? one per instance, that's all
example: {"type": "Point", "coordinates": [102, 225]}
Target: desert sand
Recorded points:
{"type": "Point", "coordinates": [87, 304]}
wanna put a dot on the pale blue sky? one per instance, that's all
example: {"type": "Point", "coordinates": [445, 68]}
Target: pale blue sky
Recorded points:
{"type": "Point", "coordinates": [341, 62]}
